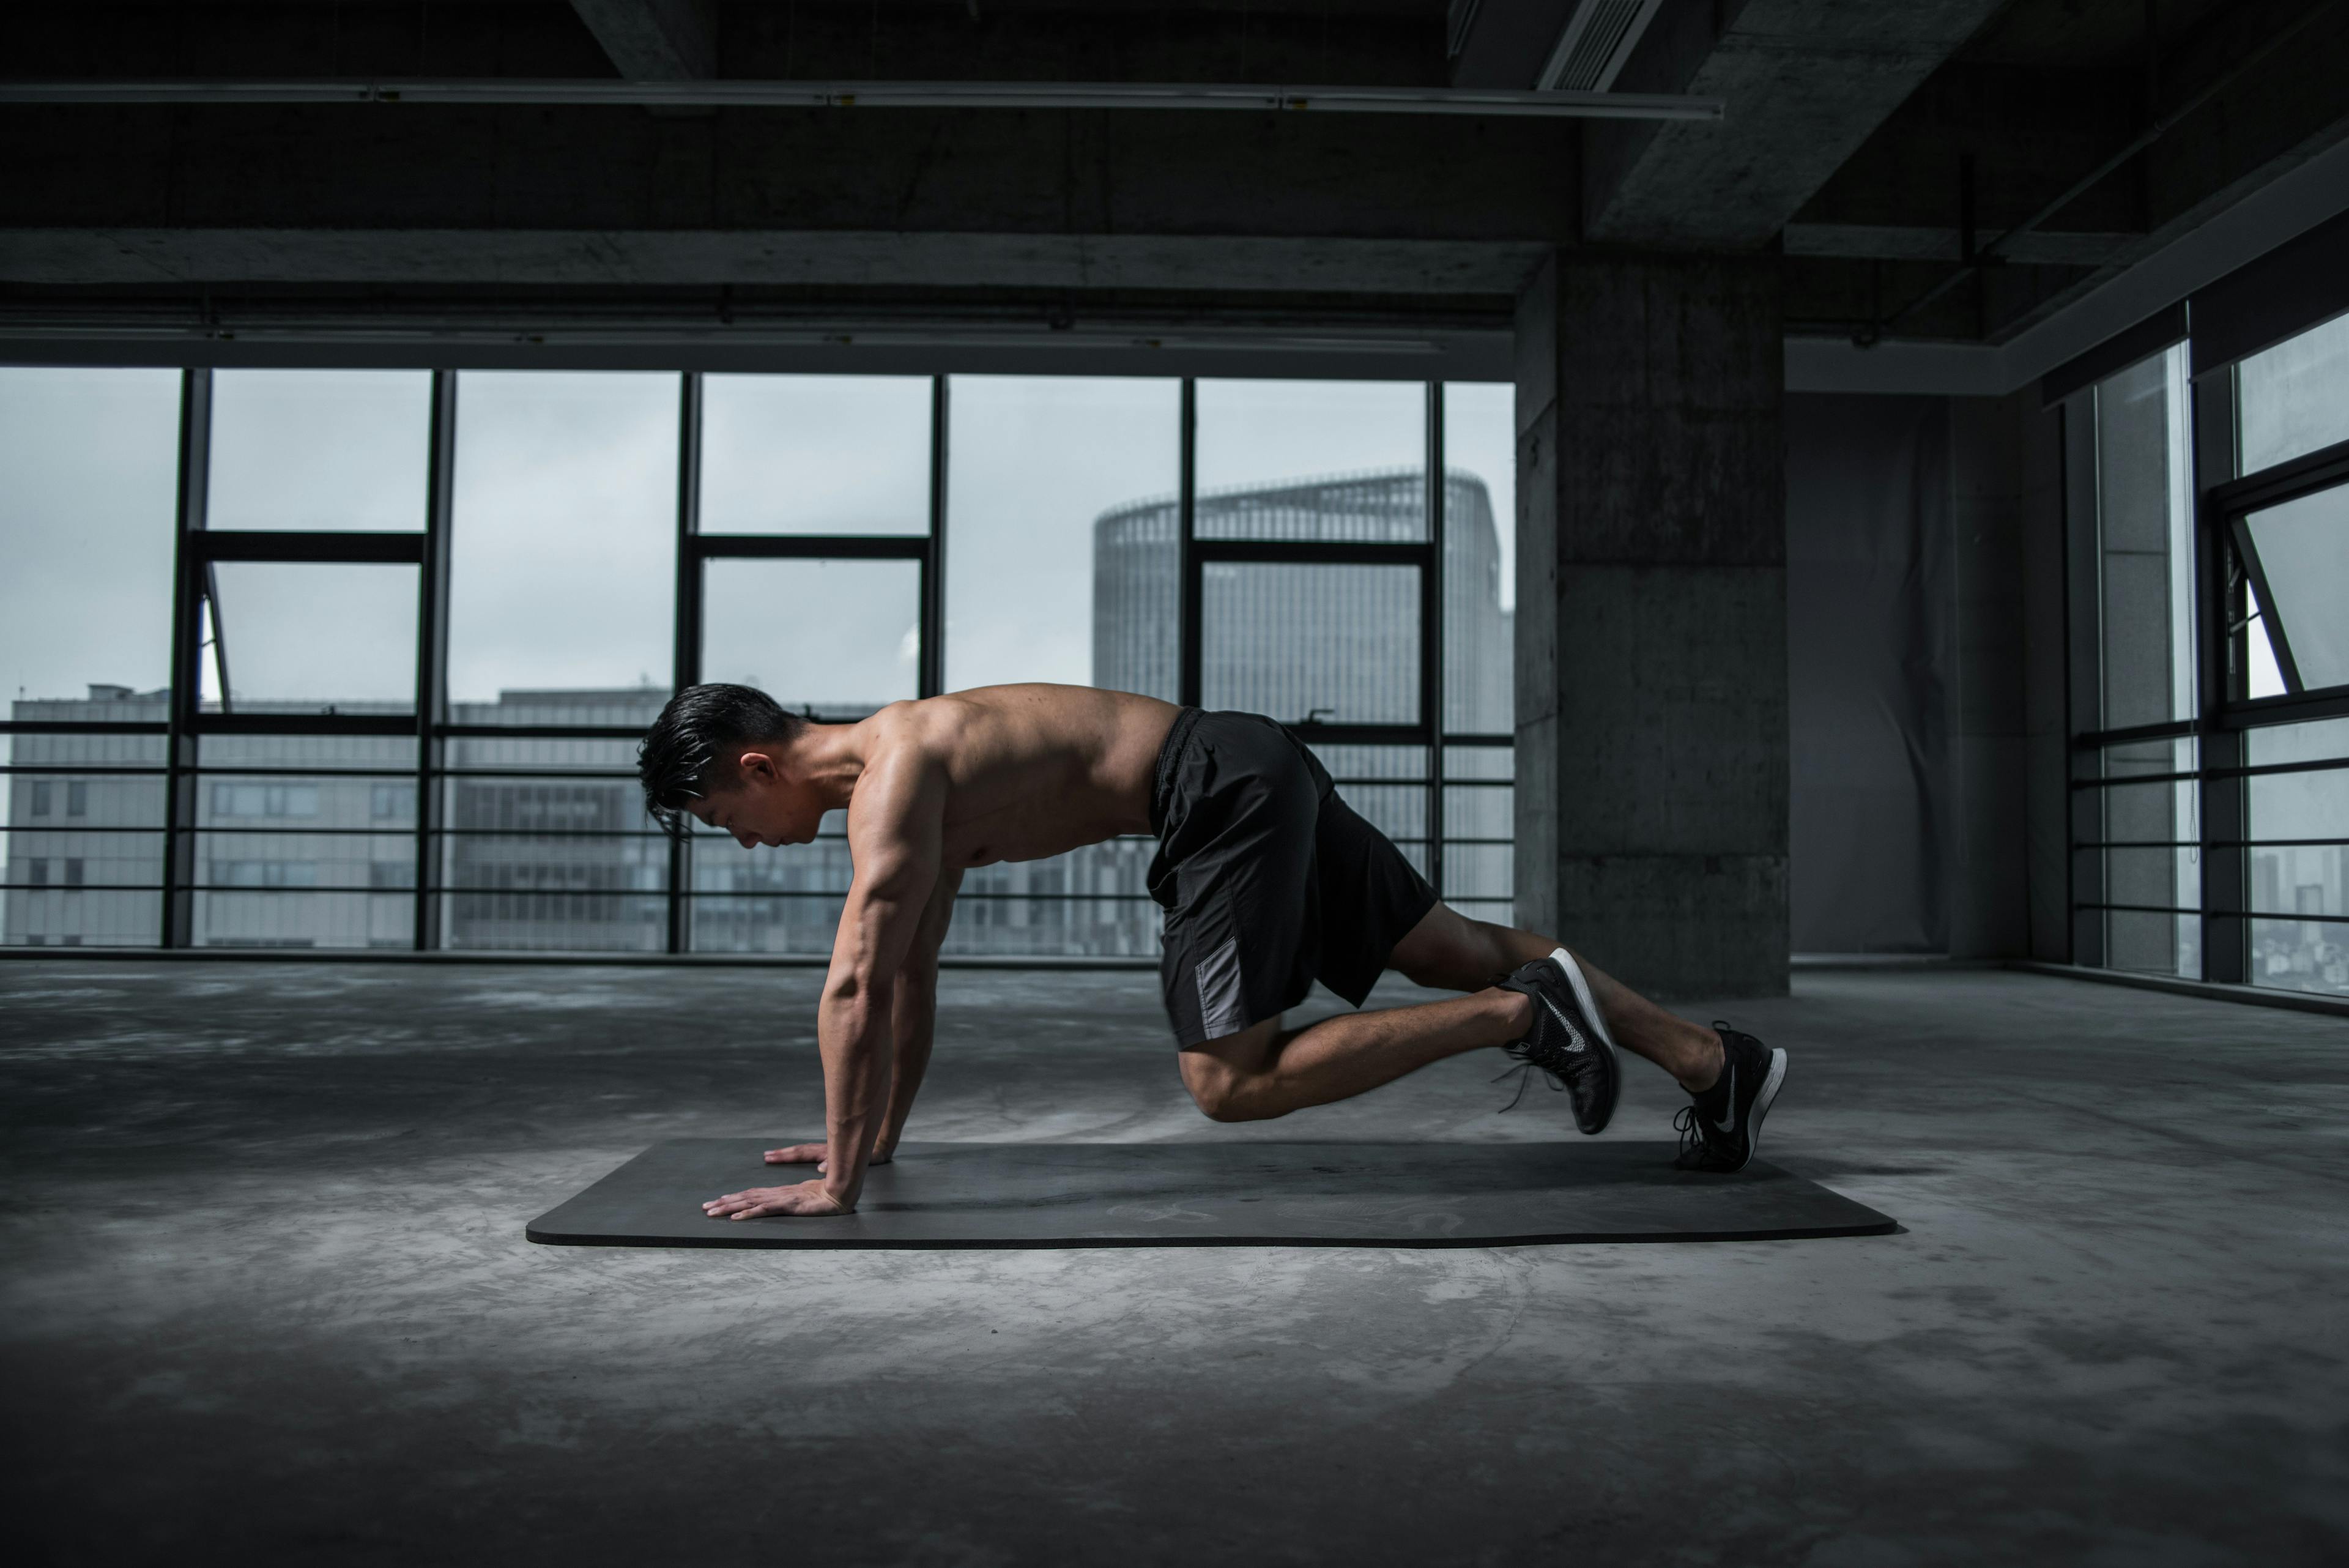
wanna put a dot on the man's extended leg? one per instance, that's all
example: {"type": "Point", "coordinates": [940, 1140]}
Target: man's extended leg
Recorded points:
{"type": "Point", "coordinates": [1449, 951]}
{"type": "Point", "coordinates": [1267, 1071]}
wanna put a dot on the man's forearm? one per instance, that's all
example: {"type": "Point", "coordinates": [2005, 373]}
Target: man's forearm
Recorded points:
{"type": "Point", "coordinates": [913, 1016]}
{"type": "Point", "coordinates": [853, 1036]}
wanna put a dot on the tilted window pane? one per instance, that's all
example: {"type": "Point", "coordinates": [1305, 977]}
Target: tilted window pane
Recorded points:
{"type": "Point", "coordinates": [1312, 460]}
{"type": "Point", "coordinates": [88, 492]}
{"type": "Point", "coordinates": [320, 449]}
{"type": "Point", "coordinates": [1339, 644]}
{"type": "Point", "coordinates": [1479, 489]}
{"type": "Point", "coordinates": [2304, 549]}
{"type": "Point", "coordinates": [1046, 579]}
{"type": "Point", "coordinates": [561, 589]}
{"type": "Point", "coordinates": [842, 637]}
{"type": "Point", "coordinates": [308, 638]}
{"type": "Point", "coordinates": [2294, 398]}
{"type": "Point", "coordinates": [2145, 528]}
{"type": "Point", "coordinates": [815, 454]}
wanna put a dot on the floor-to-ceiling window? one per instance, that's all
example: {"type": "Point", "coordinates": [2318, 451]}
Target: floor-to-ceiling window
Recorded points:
{"type": "Point", "coordinates": [354, 658]}
{"type": "Point", "coordinates": [2210, 665]}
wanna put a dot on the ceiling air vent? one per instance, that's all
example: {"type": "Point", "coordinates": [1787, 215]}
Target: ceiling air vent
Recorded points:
{"type": "Point", "coordinates": [1597, 39]}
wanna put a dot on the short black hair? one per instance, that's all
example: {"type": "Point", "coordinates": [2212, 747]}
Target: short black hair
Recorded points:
{"type": "Point", "coordinates": [689, 752]}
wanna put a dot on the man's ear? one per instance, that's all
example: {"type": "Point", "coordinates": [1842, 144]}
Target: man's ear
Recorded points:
{"type": "Point", "coordinates": [758, 765]}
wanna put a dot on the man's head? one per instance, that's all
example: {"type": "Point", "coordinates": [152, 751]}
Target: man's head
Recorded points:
{"type": "Point", "coordinates": [722, 753]}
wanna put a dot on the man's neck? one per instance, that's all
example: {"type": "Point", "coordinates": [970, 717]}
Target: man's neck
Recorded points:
{"type": "Point", "coordinates": [830, 758]}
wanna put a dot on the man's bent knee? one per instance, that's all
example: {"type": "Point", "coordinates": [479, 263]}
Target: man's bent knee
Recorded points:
{"type": "Point", "coordinates": [1226, 1077]}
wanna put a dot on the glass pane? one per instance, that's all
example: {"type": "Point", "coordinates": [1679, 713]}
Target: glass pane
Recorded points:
{"type": "Point", "coordinates": [1480, 488]}
{"type": "Point", "coordinates": [767, 900]}
{"type": "Point", "coordinates": [308, 638]}
{"type": "Point", "coordinates": [88, 489]}
{"type": "Point", "coordinates": [2297, 744]}
{"type": "Point", "coordinates": [1092, 901]}
{"type": "Point", "coordinates": [552, 865]}
{"type": "Point", "coordinates": [815, 454]}
{"type": "Point", "coordinates": [2311, 806]}
{"type": "Point", "coordinates": [81, 855]}
{"type": "Point", "coordinates": [562, 588]}
{"type": "Point", "coordinates": [2301, 955]}
{"type": "Point", "coordinates": [838, 638]}
{"type": "Point", "coordinates": [2294, 397]}
{"type": "Point", "coordinates": [364, 754]}
{"type": "Point", "coordinates": [287, 917]}
{"type": "Point", "coordinates": [265, 855]}
{"type": "Point", "coordinates": [2306, 879]}
{"type": "Point", "coordinates": [2147, 943]}
{"type": "Point", "coordinates": [1334, 644]}
{"type": "Point", "coordinates": [1042, 475]}
{"type": "Point", "coordinates": [1137, 597]}
{"type": "Point", "coordinates": [302, 861]}
{"type": "Point", "coordinates": [1312, 460]}
{"type": "Point", "coordinates": [534, 755]}
{"type": "Point", "coordinates": [320, 449]}
{"type": "Point", "coordinates": [2145, 516]}
{"type": "Point", "coordinates": [2303, 547]}
{"type": "Point", "coordinates": [2154, 820]}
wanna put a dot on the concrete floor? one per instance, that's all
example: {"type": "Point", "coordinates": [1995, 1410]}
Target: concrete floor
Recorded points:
{"type": "Point", "coordinates": [267, 1298]}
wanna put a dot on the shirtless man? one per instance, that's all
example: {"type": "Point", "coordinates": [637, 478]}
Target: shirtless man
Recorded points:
{"type": "Point", "coordinates": [1268, 879]}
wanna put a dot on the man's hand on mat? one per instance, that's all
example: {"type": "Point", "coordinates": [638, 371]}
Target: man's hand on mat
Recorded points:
{"type": "Point", "coordinates": [812, 1154]}
{"type": "Point", "coordinates": [801, 1198]}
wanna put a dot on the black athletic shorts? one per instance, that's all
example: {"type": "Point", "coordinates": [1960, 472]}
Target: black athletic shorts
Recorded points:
{"type": "Point", "coordinates": [1269, 881]}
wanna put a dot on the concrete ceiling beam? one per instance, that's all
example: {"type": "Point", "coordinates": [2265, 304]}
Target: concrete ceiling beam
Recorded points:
{"type": "Point", "coordinates": [631, 258]}
{"type": "Point", "coordinates": [1805, 81]}
{"type": "Point", "coordinates": [654, 40]}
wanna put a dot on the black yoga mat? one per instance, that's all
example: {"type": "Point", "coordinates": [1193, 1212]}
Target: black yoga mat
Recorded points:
{"type": "Point", "coordinates": [1214, 1194]}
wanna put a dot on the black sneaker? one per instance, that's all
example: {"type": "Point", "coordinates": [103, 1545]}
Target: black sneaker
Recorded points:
{"type": "Point", "coordinates": [1569, 1041]}
{"type": "Point", "coordinates": [1721, 1129]}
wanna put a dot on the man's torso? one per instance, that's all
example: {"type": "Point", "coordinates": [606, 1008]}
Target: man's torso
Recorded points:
{"type": "Point", "coordinates": [1033, 770]}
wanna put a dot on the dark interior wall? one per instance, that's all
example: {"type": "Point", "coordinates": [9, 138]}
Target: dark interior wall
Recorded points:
{"type": "Point", "coordinates": [1868, 632]}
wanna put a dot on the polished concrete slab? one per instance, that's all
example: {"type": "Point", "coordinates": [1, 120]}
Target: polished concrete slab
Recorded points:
{"type": "Point", "coordinates": [1223, 1194]}
{"type": "Point", "coordinates": [266, 1297]}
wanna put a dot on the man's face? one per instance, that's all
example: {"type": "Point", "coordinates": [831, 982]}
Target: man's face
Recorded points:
{"type": "Point", "coordinates": [762, 806]}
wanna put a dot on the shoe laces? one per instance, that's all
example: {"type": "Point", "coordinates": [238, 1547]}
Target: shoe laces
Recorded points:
{"type": "Point", "coordinates": [1525, 1070]}
{"type": "Point", "coordinates": [1690, 1126]}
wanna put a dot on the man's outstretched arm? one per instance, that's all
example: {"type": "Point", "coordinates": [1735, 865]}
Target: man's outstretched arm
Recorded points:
{"type": "Point", "coordinates": [893, 828]}
{"type": "Point", "coordinates": [913, 1016]}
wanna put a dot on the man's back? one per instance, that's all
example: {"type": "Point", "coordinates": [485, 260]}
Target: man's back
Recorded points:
{"type": "Point", "coordinates": [1031, 769]}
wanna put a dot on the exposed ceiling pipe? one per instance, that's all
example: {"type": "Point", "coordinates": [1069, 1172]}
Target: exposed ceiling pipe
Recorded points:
{"type": "Point", "coordinates": [1487, 101]}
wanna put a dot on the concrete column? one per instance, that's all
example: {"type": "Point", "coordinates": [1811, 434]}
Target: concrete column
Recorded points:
{"type": "Point", "coordinates": [1651, 620]}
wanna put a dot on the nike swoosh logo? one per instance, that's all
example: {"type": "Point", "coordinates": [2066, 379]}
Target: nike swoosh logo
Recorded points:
{"type": "Point", "coordinates": [1731, 1124]}
{"type": "Point", "coordinates": [1574, 1041]}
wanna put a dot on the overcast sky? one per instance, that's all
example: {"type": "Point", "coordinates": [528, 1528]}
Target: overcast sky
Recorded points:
{"type": "Point", "coordinates": [565, 515]}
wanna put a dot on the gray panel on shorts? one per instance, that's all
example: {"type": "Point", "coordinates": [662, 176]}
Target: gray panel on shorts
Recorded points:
{"type": "Point", "coordinates": [1220, 1010]}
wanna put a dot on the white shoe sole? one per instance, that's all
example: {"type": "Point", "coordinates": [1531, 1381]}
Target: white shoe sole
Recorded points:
{"type": "Point", "coordinates": [1761, 1106]}
{"type": "Point", "coordinates": [1565, 960]}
